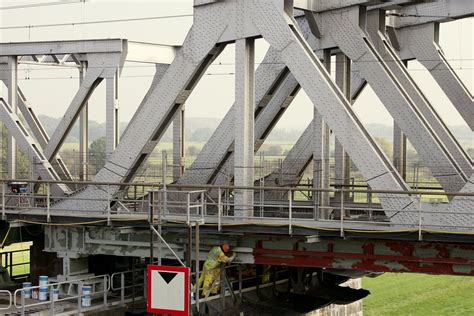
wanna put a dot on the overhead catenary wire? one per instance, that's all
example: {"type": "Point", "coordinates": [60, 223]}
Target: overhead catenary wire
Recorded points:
{"type": "Point", "coordinates": [46, 4]}
{"type": "Point", "coordinates": [16, 27]}
{"type": "Point", "coordinates": [53, 67]}
{"type": "Point", "coordinates": [207, 74]}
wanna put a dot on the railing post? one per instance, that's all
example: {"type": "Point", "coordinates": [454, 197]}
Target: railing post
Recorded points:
{"type": "Point", "coordinates": [151, 202]}
{"type": "Point", "coordinates": [105, 290]}
{"type": "Point", "coordinates": [3, 200]}
{"type": "Point", "coordinates": [420, 236]}
{"type": "Point", "coordinates": [144, 288]}
{"type": "Point", "coordinates": [79, 297]}
{"type": "Point", "coordinates": [11, 264]}
{"type": "Point", "coordinates": [48, 202]}
{"type": "Point", "coordinates": [290, 213]}
{"type": "Point", "coordinates": [203, 204]}
{"type": "Point", "coordinates": [197, 264]}
{"type": "Point", "coordinates": [51, 299]}
{"type": "Point", "coordinates": [219, 209]}
{"type": "Point", "coordinates": [122, 288]}
{"type": "Point", "coordinates": [188, 210]}
{"type": "Point", "coordinates": [240, 282]}
{"type": "Point", "coordinates": [342, 213]}
{"type": "Point", "coordinates": [108, 205]}
{"type": "Point", "coordinates": [22, 303]}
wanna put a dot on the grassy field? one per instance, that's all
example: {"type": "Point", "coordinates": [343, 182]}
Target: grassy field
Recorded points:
{"type": "Point", "coordinates": [19, 257]}
{"type": "Point", "coordinates": [417, 294]}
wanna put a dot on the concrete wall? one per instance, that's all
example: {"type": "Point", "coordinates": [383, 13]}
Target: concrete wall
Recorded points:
{"type": "Point", "coordinates": [354, 309]}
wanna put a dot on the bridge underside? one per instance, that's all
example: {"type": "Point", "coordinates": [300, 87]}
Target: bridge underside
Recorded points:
{"type": "Point", "coordinates": [358, 214]}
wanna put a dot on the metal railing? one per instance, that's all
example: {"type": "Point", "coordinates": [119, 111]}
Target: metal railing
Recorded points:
{"type": "Point", "coordinates": [7, 261]}
{"type": "Point", "coordinates": [3, 293]}
{"type": "Point", "coordinates": [23, 305]}
{"type": "Point", "coordinates": [214, 204]}
{"type": "Point", "coordinates": [102, 294]}
{"type": "Point", "coordinates": [129, 291]}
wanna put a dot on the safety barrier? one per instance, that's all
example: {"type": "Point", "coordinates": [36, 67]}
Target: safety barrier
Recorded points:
{"type": "Point", "coordinates": [215, 204]}
{"type": "Point", "coordinates": [22, 305]}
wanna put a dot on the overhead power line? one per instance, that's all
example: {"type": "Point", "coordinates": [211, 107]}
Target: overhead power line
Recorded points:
{"type": "Point", "coordinates": [46, 4]}
{"type": "Point", "coordinates": [15, 27]}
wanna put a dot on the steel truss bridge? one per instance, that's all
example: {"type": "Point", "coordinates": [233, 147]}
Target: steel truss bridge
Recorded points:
{"type": "Point", "coordinates": [274, 219]}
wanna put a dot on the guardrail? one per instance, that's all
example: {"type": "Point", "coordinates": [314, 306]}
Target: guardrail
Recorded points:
{"type": "Point", "coordinates": [215, 204]}
{"type": "Point", "coordinates": [10, 300]}
{"type": "Point", "coordinates": [103, 279]}
{"type": "Point", "coordinates": [121, 277]}
{"type": "Point", "coordinates": [6, 260]}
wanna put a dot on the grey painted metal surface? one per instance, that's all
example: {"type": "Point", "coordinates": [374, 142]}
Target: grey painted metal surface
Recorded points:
{"type": "Point", "coordinates": [352, 40]}
{"type": "Point", "coordinates": [420, 42]}
{"type": "Point", "coordinates": [243, 130]}
{"type": "Point", "coordinates": [29, 147]}
{"type": "Point", "coordinates": [420, 102]}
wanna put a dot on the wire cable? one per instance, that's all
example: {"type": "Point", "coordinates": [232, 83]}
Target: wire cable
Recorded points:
{"type": "Point", "coordinates": [16, 27]}
{"type": "Point", "coordinates": [34, 5]}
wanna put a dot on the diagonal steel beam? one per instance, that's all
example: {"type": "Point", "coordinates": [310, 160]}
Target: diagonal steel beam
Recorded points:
{"type": "Point", "coordinates": [332, 105]}
{"type": "Point", "coordinates": [100, 66]}
{"type": "Point", "coordinates": [30, 148]}
{"type": "Point", "coordinates": [41, 136]}
{"type": "Point", "coordinates": [353, 41]}
{"type": "Point", "coordinates": [376, 31]}
{"type": "Point", "coordinates": [164, 99]}
{"type": "Point", "coordinates": [421, 42]}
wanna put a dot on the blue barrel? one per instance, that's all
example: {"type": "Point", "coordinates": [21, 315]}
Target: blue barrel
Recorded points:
{"type": "Point", "coordinates": [43, 294]}
{"type": "Point", "coordinates": [27, 292]}
{"type": "Point", "coordinates": [86, 296]}
{"type": "Point", "coordinates": [55, 294]}
{"type": "Point", "coordinates": [43, 280]}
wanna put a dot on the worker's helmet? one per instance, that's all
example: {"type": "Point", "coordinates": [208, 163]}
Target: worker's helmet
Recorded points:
{"type": "Point", "coordinates": [225, 247]}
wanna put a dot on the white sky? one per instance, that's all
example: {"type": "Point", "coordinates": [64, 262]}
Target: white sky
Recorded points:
{"type": "Point", "coordinates": [215, 93]}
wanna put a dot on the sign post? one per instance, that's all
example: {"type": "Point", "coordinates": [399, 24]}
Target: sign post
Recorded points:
{"type": "Point", "coordinates": [168, 290]}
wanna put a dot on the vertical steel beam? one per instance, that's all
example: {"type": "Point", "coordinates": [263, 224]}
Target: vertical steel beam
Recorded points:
{"type": "Point", "coordinates": [112, 109]}
{"type": "Point", "coordinates": [178, 145]}
{"type": "Point", "coordinates": [83, 133]}
{"type": "Point", "coordinates": [342, 162]}
{"type": "Point", "coordinates": [12, 79]}
{"type": "Point", "coordinates": [321, 166]}
{"type": "Point", "coordinates": [244, 124]}
{"type": "Point", "coordinates": [399, 150]}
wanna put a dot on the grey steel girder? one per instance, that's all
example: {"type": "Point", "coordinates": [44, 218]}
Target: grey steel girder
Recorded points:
{"type": "Point", "coordinates": [100, 66]}
{"type": "Point", "coordinates": [62, 47]}
{"type": "Point", "coordinates": [244, 125]}
{"type": "Point", "coordinates": [320, 6]}
{"type": "Point", "coordinates": [357, 83]}
{"type": "Point", "coordinates": [432, 11]}
{"type": "Point", "coordinates": [298, 158]}
{"type": "Point", "coordinates": [30, 148]}
{"type": "Point", "coordinates": [331, 104]}
{"type": "Point", "coordinates": [423, 105]}
{"type": "Point", "coordinates": [197, 52]}
{"type": "Point", "coordinates": [163, 101]}
{"type": "Point", "coordinates": [37, 129]}
{"type": "Point", "coordinates": [421, 42]}
{"type": "Point", "coordinates": [271, 103]}
{"type": "Point", "coordinates": [352, 40]}
{"type": "Point", "coordinates": [460, 211]}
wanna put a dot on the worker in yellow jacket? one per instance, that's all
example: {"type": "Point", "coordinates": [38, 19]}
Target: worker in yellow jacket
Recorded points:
{"type": "Point", "coordinates": [211, 273]}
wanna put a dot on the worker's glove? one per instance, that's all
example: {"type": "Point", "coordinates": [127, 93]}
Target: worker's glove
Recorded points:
{"type": "Point", "coordinates": [231, 258]}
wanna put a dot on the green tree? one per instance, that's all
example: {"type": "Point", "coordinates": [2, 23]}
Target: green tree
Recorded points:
{"type": "Point", "coordinates": [97, 153]}
{"type": "Point", "coordinates": [22, 164]}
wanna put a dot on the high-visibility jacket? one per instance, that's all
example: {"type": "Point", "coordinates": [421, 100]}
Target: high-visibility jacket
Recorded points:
{"type": "Point", "coordinates": [214, 259]}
